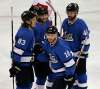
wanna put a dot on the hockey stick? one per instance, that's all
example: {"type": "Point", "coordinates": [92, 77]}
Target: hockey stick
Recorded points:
{"type": "Point", "coordinates": [55, 19]}
{"type": "Point", "coordinates": [12, 27]}
{"type": "Point", "coordinates": [79, 54]}
{"type": "Point", "coordinates": [12, 37]}
{"type": "Point", "coordinates": [55, 13]}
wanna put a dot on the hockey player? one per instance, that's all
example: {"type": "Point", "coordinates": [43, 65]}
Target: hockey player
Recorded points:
{"type": "Point", "coordinates": [61, 60]}
{"type": "Point", "coordinates": [76, 33]}
{"type": "Point", "coordinates": [22, 54]}
{"type": "Point", "coordinates": [41, 65]}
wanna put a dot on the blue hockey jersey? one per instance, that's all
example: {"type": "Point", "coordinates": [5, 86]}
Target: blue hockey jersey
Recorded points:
{"type": "Point", "coordinates": [61, 59]}
{"type": "Point", "coordinates": [77, 35]}
{"type": "Point", "coordinates": [24, 43]}
{"type": "Point", "coordinates": [39, 37]}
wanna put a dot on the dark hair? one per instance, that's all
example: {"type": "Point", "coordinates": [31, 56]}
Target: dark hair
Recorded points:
{"type": "Point", "coordinates": [27, 15]}
{"type": "Point", "coordinates": [72, 7]}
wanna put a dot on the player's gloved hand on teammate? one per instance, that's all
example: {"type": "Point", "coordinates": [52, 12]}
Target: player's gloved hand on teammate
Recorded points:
{"type": "Point", "coordinates": [37, 48]}
{"type": "Point", "coordinates": [14, 70]}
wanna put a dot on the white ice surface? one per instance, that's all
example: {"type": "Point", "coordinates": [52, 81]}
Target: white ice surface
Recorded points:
{"type": "Point", "coordinates": [89, 11]}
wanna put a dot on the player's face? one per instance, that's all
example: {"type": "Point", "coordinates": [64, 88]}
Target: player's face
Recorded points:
{"type": "Point", "coordinates": [33, 22]}
{"type": "Point", "coordinates": [51, 38]}
{"type": "Point", "coordinates": [44, 17]}
{"type": "Point", "coordinates": [71, 15]}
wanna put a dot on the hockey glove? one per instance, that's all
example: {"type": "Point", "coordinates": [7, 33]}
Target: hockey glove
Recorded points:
{"type": "Point", "coordinates": [69, 80]}
{"type": "Point", "coordinates": [83, 55]}
{"type": "Point", "coordinates": [37, 48]}
{"type": "Point", "coordinates": [14, 70]}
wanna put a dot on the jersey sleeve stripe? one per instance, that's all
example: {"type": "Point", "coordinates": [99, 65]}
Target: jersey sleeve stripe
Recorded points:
{"type": "Point", "coordinates": [18, 51]}
{"type": "Point", "coordinates": [69, 63]}
{"type": "Point", "coordinates": [58, 70]}
{"type": "Point", "coordinates": [82, 85]}
{"type": "Point", "coordinates": [85, 42]}
{"type": "Point", "coordinates": [25, 59]}
{"type": "Point", "coordinates": [49, 84]}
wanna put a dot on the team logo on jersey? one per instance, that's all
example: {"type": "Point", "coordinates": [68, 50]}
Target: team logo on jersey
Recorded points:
{"type": "Point", "coordinates": [68, 37]}
{"type": "Point", "coordinates": [53, 59]}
